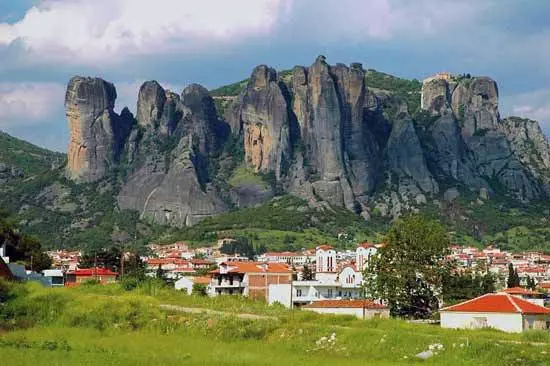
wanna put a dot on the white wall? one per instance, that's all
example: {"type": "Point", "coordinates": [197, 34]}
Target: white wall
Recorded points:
{"type": "Point", "coordinates": [281, 294]}
{"type": "Point", "coordinates": [507, 322]}
{"type": "Point", "coordinates": [184, 284]}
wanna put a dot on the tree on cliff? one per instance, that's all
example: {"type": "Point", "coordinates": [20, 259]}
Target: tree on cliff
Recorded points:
{"type": "Point", "coordinates": [408, 272]}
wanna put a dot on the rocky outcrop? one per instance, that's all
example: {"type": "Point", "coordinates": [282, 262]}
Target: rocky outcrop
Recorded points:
{"type": "Point", "coordinates": [97, 134]}
{"type": "Point", "coordinates": [262, 114]}
{"type": "Point", "coordinates": [469, 144]}
{"type": "Point", "coordinates": [530, 146]}
{"type": "Point", "coordinates": [150, 104]}
{"type": "Point", "coordinates": [171, 183]}
{"type": "Point", "coordinates": [320, 132]}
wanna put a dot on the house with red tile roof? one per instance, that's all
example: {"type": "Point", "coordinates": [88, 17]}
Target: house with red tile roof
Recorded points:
{"type": "Point", "coordinates": [525, 294]}
{"type": "Point", "coordinates": [496, 310]}
{"type": "Point", "coordinates": [251, 279]}
{"type": "Point", "coordinates": [362, 309]}
{"type": "Point", "coordinates": [79, 276]}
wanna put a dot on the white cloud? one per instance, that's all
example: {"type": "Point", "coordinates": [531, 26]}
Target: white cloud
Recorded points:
{"type": "Point", "coordinates": [30, 103]}
{"type": "Point", "coordinates": [386, 19]}
{"type": "Point", "coordinates": [533, 105]}
{"type": "Point", "coordinates": [87, 32]}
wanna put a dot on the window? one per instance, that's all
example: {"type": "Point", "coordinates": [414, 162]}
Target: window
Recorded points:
{"type": "Point", "coordinates": [530, 322]}
{"type": "Point", "coordinates": [329, 292]}
{"type": "Point", "coordinates": [299, 292]}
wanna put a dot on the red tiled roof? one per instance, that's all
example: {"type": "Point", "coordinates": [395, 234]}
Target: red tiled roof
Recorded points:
{"type": "Point", "coordinates": [519, 291]}
{"type": "Point", "coordinates": [254, 267]}
{"type": "Point", "coordinates": [366, 304]}
{"type": "Point", "coordinates": [324, 247]}
{"type": "Point", "coordinates": [162, 261]}
{"type": "Point", "coordinates": [544, 285]}
{"type": "Point", "coordinates": [201, 261]}
{"type": "Point", "coordinates": [498, 303]}
{"type": "Point", "coordinates": [93, 272]}
{"type": "Point", "coordinates": [204, 280]}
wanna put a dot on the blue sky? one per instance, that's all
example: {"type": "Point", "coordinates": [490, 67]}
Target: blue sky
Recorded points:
{"type": "Point", "coordinates": [214, 42]}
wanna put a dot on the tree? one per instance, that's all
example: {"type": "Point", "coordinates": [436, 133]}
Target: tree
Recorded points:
{"type": "Point", "coordinates": [105, 258]}
{"type": "Point", "coordinates": [408, 271]}
{"type": "Point", "coordinates": [240, 246]}
{"type": "Point", "coordinates": [513, 278]}
{"type": "Point", "coordinates": [531, 285]}
{"type": "Point", "coordinates": [21, 248]}
{"type": "Point", "coordinates": [199, 289]}
{"type": "Point", "coordinates": [160, 273]}
{"type": "Point", "coordinates": [457, 287]}
{"type": "Point", "coordinates": [307, 274]}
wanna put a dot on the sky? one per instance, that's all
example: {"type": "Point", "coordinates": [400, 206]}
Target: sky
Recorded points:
{"type": "Point", "coordinates": [43, 43]}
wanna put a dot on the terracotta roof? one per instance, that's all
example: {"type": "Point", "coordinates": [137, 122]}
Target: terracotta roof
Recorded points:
{"type": "Point", "coordinates": [204, 280]}
{"type": "Point", "coordinates": [161, 261]}
{"type": "Point", "coordinates": [254, 267]}
{"type": "Point", "coordinates": [366, 304]}
{"type": "Point", "coordinates": [519, 291]}
{"type": "Point", "coordinates": [498, 303]}
{"type": "Point", "coordinates": [93, 272]}
{"type": "Point", "coordinates": [324, 247]}
{"type": "Point", "coordinates": [201, 261]}
{"type": "Point", "coordinates": [544, 285]}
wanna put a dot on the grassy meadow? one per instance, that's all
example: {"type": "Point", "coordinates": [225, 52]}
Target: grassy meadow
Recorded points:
{"type": "Point", "coordinates": [121, 325]}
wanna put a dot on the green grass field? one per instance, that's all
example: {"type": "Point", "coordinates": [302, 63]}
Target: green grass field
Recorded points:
{"type": "Point", "coordinates": [95, 325]}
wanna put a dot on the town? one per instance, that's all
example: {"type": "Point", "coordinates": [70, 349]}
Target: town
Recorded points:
{"type": "Point", "coordinates": [324, 279]}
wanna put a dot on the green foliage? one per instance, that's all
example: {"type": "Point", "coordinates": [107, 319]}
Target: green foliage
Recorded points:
{"type": "Point", "coordinates": [307, 274]}
{"type": "Point", "coordinates": [230, 90]}
{"type": "Point", "coordinates": [457, 287]}
{"type": "Point", "coordinates": [244, 175]}
{"type": "Point", "coordinates": [31, 158]}
{"type": "Point", "coordinates": [240, 246]}
{"type": "Point", "coordinates": [21, 248]}
{"type": "Point", "coordinates": [108, 325]}
{"type": "Point", "coordinates": [407, 90]}
{"type": "Point", "coordinates": [199, 289]}
{"type": "Point", "coordinates": [513, 278]}
{"type": "Point", "coordinates": [286, 223]}
{"type": "Point", "coordinates": [410, 267]}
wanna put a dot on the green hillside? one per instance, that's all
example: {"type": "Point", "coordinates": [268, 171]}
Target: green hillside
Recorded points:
{"type": "Point", "coordinates": [31, 158]}
{"type": "Point", "coordinates": [108, 325]}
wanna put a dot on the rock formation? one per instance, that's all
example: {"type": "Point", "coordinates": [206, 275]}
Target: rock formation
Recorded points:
{"type": "Point", "coordinates": [97, 134]}
{"type": "Point", "coordinates": [321, 132]}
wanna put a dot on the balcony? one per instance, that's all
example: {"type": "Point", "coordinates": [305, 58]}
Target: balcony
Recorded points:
{"type": "Point", "coordinates": [228, 284]}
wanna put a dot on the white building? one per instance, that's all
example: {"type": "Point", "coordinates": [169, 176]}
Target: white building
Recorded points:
{"type": "Point", "coordinates": [55, 277]}
{"type": "Point", "coordinates": [500, 311]}
{"type": "Point", "coordinates": [325, 259]}
{"type": "Point", "coordinates": [525, 294]}
{"type": "Point", "coordinates": [186, 283]}
{"type": "Point", "coordinates": [291, 258]}
{"type": "Point", "coordinates": [363, 254]}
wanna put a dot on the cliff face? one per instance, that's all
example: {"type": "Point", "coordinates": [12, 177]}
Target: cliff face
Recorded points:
{"type": "Point", "coordinates": [97, 134]}
{"type": "Point", "coordinates": [322, 132]}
